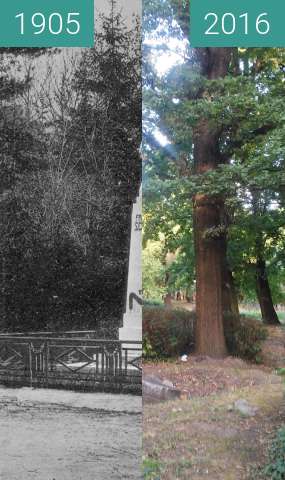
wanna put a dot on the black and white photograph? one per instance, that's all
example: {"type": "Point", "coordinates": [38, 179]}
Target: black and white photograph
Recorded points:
{"type": "Point", "coordinates": [70, 253]}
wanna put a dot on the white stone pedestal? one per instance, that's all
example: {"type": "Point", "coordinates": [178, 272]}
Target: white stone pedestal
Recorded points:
{"type": "Point", "coordinates": [132, 321]}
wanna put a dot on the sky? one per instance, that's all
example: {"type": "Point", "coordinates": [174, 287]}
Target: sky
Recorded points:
{"type": "Point", "coordinates": [163, 61]}
{"type": "Point", "coordinates": [129, 7]}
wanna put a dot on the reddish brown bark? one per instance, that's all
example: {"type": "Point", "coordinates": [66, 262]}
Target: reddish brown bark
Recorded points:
{"type": "Point", "coordinates": [268, 312]}
{"type": "Point", "coordinates": [209, 243]}
{"type": "Point", "coordinates": [209, 254]}
{"type": "Point", "coordinates": [210, 338]}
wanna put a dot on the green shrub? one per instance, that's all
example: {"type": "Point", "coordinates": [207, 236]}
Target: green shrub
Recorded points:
{"type": "Point", "coordinates": [170, 332]}
{"type": "Point", "coordinates": [167, 332]}
{"type": "Point", "coordinates": [275, 470]}
{"type": "Point", "coordinates": [246, 341]}
{"type": "Point", "coordinates": [148, 350]}
{"type": "Point", "coordinates": [153, 303]}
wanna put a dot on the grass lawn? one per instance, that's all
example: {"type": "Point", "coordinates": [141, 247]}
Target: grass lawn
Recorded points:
{"type": "Point", "coordinates": [256, 314]}
{"type": "Point", "coordinates": [204, 437]}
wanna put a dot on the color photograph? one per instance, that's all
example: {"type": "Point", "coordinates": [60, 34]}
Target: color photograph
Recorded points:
{"type": "Point", "coordinates": [213, 254]}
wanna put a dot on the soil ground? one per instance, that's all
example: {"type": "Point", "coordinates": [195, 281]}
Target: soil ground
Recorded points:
{"type": "Point", "coordinates": [59, 435]}
{"type": "Point", "coordinates": [205, 437]}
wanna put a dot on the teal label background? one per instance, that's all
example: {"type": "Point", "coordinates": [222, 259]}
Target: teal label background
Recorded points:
{"type": "Point", "coordinates": [10, 27]}
{"type": "Point", "coordinates": [276, 18]}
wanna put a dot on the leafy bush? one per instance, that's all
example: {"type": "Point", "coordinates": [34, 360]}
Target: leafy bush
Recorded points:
{"type": "Point", "coordinates": [167, 332]}
{"type": "Point", "coordinates": [246, 341]}
{"type": "Point", "coordinates": [153, 303]}
{"type": "Point", "coordinates": [170, 332]}
{"type": "Point", "coordinates": [153, 270]}
{"type": "Point", "coordinates": [275, 470]}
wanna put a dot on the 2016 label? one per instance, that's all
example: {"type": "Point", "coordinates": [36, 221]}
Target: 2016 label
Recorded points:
{"type": "Point", "coordinates": [232, 23]}
{"type": "Point", "coordinates": [229, 23]}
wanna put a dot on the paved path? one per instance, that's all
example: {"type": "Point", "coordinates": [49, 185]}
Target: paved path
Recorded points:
{"type": "Point", "coordinates": [59, 435]}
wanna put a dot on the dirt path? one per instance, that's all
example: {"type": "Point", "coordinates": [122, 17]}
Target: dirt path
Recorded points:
{"type": "Point", "coordinates": [206, 437]}
{"type": "Point", "coordinates": [206, 376]}
{"type": "Point", "coordinates": [52, 435]}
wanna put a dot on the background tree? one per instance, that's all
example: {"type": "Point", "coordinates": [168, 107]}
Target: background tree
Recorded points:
{"type": "Point", "coordinates": [69, 209]}
{"type": "Point", "coordinates": [221, 111]}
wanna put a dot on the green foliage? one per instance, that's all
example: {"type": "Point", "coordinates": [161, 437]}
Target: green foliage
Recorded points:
{"type": "Point", "coordinates": [153, 271]}
{"type": "Point", "coordinates": [167, 332]}
{"type": "Point", "coordinates": [151, 469]}
{"type": "Point", "coordinates": [181, 271]}
{"type": "Point", "coordinates": [246, 340]}
{"type": "Point", "coordinates": [281, 371]}
{"type": "Point", "coordinates": [170, 332]}
{"type": "Point", "coordinates": [248, 107]}
{"type": "Point", "coordinates": [148, 351]}
{"type": "Point", "coordinates": [153, 303]}
{"type": "Point", "coordinates": [275, 470]}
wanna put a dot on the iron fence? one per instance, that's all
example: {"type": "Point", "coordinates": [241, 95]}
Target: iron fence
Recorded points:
{"type": "Point", "coordinates": [71, 363]}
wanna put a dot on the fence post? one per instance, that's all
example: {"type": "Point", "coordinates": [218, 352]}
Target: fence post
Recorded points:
{"type": "Point", "coordinates": [46, 357]}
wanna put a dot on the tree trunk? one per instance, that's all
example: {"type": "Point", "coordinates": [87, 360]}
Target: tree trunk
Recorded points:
{"type": "Point", "coordinates": [209, 253]}
{"type": "Point", "coordinates": [229, 299]}
{"type": "Point", "coordinates": [269, 315]}
{"type": "Point", "coordinates": [210, 338]}
{"type": "Point", "coordinates": [209, 241]}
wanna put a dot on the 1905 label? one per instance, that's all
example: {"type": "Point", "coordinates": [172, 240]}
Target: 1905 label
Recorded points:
{"type": "Point", "coordinates": [56, 23]}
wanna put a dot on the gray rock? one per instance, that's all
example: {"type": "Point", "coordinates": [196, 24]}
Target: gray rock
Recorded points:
{"type": "Point", "coordinates": [153, 379]}
{"type": "Point", "coordinates": [245, 408]}
{"type": "Point", "coordinates": [168, 383]}
{"type": "Point", "coordinates": [155, 389]}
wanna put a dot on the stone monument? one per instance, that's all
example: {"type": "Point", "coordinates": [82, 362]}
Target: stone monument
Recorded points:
{"type": "Point", "coordinates": [132, 320]}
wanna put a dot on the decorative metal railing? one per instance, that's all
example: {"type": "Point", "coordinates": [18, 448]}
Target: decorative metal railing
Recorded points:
{"type": "Point", "coordinates": [69, 362]}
